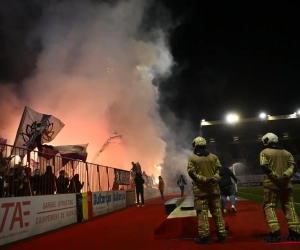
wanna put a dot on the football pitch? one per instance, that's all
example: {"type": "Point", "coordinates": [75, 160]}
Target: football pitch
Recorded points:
{"type": "Point", "coordinates": [255, 194]}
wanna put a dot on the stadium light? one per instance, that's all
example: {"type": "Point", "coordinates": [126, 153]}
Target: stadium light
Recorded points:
{"type": "Point", "coordinates": [262, 115]}
{"type": "Point", "coordinates": [298, 112]}
{"type": "Point", "coordinates": [231, 118]}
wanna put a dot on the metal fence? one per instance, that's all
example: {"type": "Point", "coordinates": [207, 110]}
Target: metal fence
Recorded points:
{"type": "Point", "coordinates": [36, 173]}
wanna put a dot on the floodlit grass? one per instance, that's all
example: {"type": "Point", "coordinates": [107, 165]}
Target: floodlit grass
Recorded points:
{"type": "Point", "coordinates": [255, 194]}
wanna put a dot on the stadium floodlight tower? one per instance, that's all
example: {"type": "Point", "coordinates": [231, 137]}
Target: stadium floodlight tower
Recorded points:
{"type": "Point", "coordinates": [237, 141]}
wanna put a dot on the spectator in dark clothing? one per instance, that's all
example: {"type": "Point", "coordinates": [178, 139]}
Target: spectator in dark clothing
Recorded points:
{"type": "Point", "coordinates": [62, 183]}
{"type": "Point", "coordinates": [181, 183]}
{"type": "Point", "coordinates": [48, 181]}
{"type": "Point", "coordinates": [3, 184]}
{"type": "Point", "coordinates": [161, 186]}
{"type": "Point", "coordinates": [138, 168]}
{"type": "Point", "coordinates": [75, 184]}
{"type": "Point", "coordinates": [134, 167]}
{"type": "Point", "coordinates": [12, 182]}
{"type": "Point", "coordinates": [227, 188]}
{"type": "Point", "coordinates": [35, 182]}
{"type": "Point", "coordinates": [19, 183]}
{"type": "Point", "coordinates": [26, 182]}
{"type": "Point", "coordinates": [139, 188]}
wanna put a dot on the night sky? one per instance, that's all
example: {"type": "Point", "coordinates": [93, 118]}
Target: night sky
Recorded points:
{"type": "Point", "coordinates": [234, 57]}
{"type": "Point", "coordinates": [231, 57]}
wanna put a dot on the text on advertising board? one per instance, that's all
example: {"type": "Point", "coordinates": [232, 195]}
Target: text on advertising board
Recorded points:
{"type": "Point", "coordinates": [101, 199]}
{"type": "Point", "coordinates": [56, 206]}
{"type": "Point", "coordinates": [19, 214]}
{"type": "Point", "coordinates": [122, 177]}
{"type": "Point", "coordinates": [23, 217]}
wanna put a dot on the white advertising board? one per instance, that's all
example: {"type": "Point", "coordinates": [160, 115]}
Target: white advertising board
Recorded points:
{"type": "Point", "coordinates": [23, 217]}
{"type": "Point", "coordinates": [260, 178]}
{"type": "Point", "coordinates": [119, 200]}
{"type": "Point", "coordinates": [104, 202]}
{"type": "Point", "coordinates": [250, 178]}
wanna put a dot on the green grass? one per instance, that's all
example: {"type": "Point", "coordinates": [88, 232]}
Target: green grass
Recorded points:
{"type": "Point", "coordinates": [255, 194]}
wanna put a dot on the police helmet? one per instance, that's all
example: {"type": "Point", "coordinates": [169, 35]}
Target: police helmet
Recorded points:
{"type": "Point", "coordinates": [269, 138]}
{"type": "Point", "coordinates": [199, 141]}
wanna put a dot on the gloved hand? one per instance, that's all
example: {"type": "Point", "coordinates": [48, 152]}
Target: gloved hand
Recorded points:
{"type": "Point", "coordinates": [284, 179]}
{"type": "Point", "coordinates": [212, 180]}
{"type": "Point", "coordinates": [278, 181]}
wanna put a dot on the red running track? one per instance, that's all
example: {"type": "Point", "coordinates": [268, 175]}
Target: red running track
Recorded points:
{"type": "Point", "coordinates": [132, 228]}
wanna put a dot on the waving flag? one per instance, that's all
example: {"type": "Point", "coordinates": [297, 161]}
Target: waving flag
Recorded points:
{"type": "Point", "coordinates": [47, 152]}
{"type": "Point", "coordinates": [114, 136]}
{"type": "Point", "coordinates": [2, 144]}
{"type": "Point", "coordinates": [72, 152]}
{"type": "Point", "coordinates": [35, 129]}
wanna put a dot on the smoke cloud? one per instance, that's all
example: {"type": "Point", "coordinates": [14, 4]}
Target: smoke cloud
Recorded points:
{"type": "Point", "coordinates": [95, 73]}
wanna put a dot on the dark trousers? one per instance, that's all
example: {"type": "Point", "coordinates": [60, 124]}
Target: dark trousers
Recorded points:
{"type": "Point", "coordinates": [138, 193]}
{"type": "Point", "coordinates": [162, 193]}
{"type": "Point", "coordinates": [182, 190]}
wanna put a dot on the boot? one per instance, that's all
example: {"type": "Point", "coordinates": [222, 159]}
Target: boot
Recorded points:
{"type": "Point", "coordinates": [203, 240]}
{"type": "Point", "coordinates": [293, 236]}
{"type": "Point", "coordinates": [273, 237]}
{"type": "Point", "coordinates": [221, 238]}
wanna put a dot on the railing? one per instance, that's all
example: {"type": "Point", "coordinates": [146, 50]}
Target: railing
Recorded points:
{"type": "Point", "coordinates": [35, 173]}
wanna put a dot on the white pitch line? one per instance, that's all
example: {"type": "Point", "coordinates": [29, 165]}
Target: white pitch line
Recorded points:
{"type": "Point", "coordinates": [262, 197]}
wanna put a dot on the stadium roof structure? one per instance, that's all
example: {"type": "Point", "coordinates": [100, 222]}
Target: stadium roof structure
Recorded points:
{"type": "Point", "coordinates": [286, 127]}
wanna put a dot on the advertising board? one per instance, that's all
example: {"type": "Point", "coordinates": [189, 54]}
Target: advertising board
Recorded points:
{"type": "Point", "coordinates": [104, 202]}
{"type": "Point", "coordinates": [23, 217]}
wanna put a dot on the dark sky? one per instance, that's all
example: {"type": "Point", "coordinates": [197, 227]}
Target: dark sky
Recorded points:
{"type": "Point", "coordinates": [234, 57]}
{"type": "Point", "coordinates": [230, 57]}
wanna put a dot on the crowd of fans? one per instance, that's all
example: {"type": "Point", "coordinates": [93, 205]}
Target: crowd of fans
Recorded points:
{"type": "Point", "coordinates": [22, 181]}
{"type": "Point", "coordinates": [136, 168]}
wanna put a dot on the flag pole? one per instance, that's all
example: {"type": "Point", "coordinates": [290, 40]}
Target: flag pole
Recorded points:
{"type": "Point", "coordinates": [19, 129]}
{"type": "Point", "coordinates": [16, 139]}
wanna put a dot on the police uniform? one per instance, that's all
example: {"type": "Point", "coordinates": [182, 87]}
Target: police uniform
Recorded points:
{"type": "Point", "coordinates": [203, 168]}
{"type": "Point", "coordinates": [279, 167]}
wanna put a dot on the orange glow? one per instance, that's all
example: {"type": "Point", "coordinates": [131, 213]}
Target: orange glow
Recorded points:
{"type": "Point", "coordinates": [96, 79]}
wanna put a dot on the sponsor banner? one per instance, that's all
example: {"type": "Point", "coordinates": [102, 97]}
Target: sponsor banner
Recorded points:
{"type": "Point", "coordinates": [100, 201]}
{"type": "Point", "coordinates": [296, 178]}
{"type": "Point", "coordinates": [250, 178]}
{"type": "Point", "coordinates": [87, 206]}
{"type": "Point", "coordinates": [104, 202]}
{"type": "Point", "coordinates": [250, 184]}
{"type": "Point", "coordinates": [118, 200]}
{"type": "Point", "coordinates": [24, 217]}
{"type": "Point", "coordinates": [244, 181]}
{"type": "Point", "coordinates": [122, 177]}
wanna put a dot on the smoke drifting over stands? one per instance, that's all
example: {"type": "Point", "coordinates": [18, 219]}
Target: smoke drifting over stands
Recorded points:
{"type": "Point", "coordinates": [92, 64]}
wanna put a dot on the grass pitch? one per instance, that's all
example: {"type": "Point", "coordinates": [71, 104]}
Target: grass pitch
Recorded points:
{"type": "Point", "coordinates": [255, 194]}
